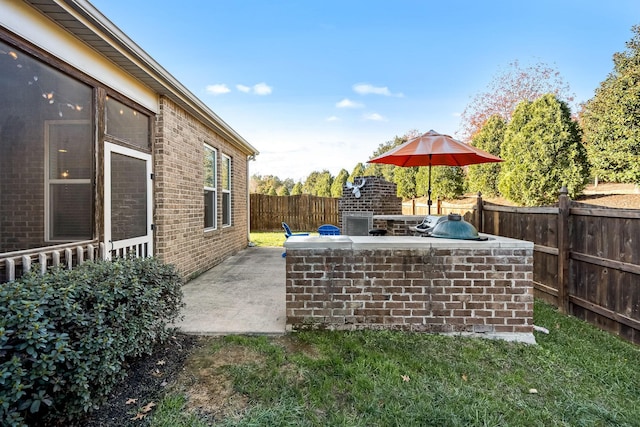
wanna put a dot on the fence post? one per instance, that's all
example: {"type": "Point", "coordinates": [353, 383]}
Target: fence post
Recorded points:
{"type": "Point", "coordinates": [479, 222]}
{"type": "Point", "coordinates": [439, 206]}
{"type": "Point", "coordinates": [563, 250]}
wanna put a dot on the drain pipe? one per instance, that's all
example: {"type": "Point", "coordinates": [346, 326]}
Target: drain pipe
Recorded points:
{"type": "Point", "coordinates": [249, 158]}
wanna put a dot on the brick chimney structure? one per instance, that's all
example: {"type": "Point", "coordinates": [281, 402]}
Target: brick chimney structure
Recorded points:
{"type": "Point", "coordinates": [360, 201]}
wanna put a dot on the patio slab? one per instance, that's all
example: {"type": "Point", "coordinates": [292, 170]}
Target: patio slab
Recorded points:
{"type": "Point", "coordinates": [245, 294]}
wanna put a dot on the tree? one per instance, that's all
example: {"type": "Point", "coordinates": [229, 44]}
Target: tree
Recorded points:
{"type": "Point", "coordinates": [405, 180]}
{"type": "Point", "coordinates": [323, 184]}
{"type": "Point", "coordinates": [358, 170]}
{"type": "Point", "coordinates": [509, 88]}
{"type": "Point", "coordinates": [318, 184]}
{"type": "Point", "coordinates": [288, 183]}
{"type": "Point", "coordinates": [484, 177]}
{"type": "Point", "coordinates": [268, 184]}
{"type": "Point", "coordinates": [338, 183]}
{"type": "Point", "coordinates": [542, 151]}
{"type": "Point", "coordinates": [447, 182]}
{"type": "Point", "coordinates": [310, 183]}
{"type": "Point", "coordinates": [283, 191]}
{"type": "Point", "coordinates": [297, 189]}
{"type": "Point", "coordinates": [383, 170]}
{"type": "Point", "coordinates": [611, 119]}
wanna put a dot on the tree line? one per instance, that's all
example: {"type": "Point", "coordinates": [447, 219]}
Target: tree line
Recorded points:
{"type": "Point", "coordinates": [525, 118]}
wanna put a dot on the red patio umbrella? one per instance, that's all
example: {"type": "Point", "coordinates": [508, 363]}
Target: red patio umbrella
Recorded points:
{"type": "Point", "coordinates": [434, 149]}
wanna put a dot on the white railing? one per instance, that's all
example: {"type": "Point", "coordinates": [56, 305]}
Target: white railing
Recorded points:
{"type": "Point", "coordinates": [69, 255]}
{"type": "Point", "coordinates": [137, 247]}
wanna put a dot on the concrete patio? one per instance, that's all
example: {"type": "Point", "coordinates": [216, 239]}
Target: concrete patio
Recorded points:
{"type": "Point", "coordinates": [245, 294]}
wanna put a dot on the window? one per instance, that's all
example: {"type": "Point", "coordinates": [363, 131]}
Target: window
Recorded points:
{"type": "Point", "coordinates": [226, 190]}
{"type": "Point", "coordinates": [210, 188]}
{"type": "Point", "coordinates": [68, 166]}
{"type": "Point", "coordinates": [47, 140]}
{"type": "Point", "coordinates": [126, 124]}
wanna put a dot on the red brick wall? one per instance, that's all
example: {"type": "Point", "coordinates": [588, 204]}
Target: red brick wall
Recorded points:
{"type": "Point", "coordinates": [424, 290]}
{"type": "Point", "coordinates": [377, 196]}
{"type": "Point", "coordinates": [180, 237]}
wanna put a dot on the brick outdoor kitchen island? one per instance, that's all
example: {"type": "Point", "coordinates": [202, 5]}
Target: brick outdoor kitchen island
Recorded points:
{"type": "Point", "coordinates": [407, 283]}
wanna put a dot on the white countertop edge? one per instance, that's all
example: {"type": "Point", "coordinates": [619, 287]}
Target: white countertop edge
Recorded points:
{"type": "Point", "coordinates": [401, 242]}
{"type": "Point", "coordinates": [518, 337]}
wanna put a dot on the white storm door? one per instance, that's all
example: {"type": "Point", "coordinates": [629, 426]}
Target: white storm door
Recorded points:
{"type": "Point", "coordinates": [128, 206]}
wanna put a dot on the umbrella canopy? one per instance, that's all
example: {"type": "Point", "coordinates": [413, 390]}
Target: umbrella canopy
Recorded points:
{"type": "Point", "coordinates": [434, 149]}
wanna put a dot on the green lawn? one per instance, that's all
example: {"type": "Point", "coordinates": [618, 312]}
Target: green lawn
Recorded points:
{"type": "Point", "coordinates": [577, 375]}
{"type": "Point", "coordinates": [268, 238]}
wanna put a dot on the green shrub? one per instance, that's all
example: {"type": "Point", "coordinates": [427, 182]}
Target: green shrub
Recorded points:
{"type": "Point", "coordinates": [542, 151]}
{"type": "Point", "coordinates": [65, 336]}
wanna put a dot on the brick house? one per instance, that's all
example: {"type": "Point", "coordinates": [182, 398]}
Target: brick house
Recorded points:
{"type": "Point", "coordinates": [103, 152]}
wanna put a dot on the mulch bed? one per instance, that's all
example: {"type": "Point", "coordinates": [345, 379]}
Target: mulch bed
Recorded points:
{"type": "Point", "coordinates": [145, 382]}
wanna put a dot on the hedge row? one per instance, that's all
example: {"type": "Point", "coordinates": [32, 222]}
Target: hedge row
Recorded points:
{"type": "Point", "coordinates": [64, 336]}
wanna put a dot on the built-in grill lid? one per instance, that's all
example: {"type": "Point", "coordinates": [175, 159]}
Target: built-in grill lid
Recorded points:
{"type": "Point", "coordinates": [428, 223]}
{"type": "Point", "coordinates": [454, 227]}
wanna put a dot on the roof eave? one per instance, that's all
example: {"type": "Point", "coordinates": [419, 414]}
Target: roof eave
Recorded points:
{"type": "Point", "coordinates": [82, 19]}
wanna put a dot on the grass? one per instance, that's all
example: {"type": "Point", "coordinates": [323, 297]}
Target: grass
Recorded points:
{"type": "Point", "coordinates": [576, 376]}
{"type": "Point", "coordinates": [268, 238]}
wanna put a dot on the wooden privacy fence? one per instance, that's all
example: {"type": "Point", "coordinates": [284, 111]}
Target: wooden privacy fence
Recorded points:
{"type": "Point", "coordinates": [586, 259]}
{"type": "Point", "coordinates": [420, 207]}
{"type": "Point", "coordinates": [302, 212]}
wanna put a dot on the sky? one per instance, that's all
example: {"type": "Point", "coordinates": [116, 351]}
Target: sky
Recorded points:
{"type": "Point", "coordinates": [319, 85]}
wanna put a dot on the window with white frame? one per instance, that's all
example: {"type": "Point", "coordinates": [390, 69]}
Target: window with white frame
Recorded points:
{"type": "Point", "coordinates": [68, 171]}
{"type": "Point", "coordinates": [226, 190]}
{"type": "Point", "coordinates": [210, 188]}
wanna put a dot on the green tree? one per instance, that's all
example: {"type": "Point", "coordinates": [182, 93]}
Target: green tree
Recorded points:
{"type": "Point", "coordinates": [309, 185]}
{"type": "Point", "coordinates": [288, 183]}
{"type": "Point", "coordinates": [283, 191]}
{"type": "Point", "coordinates": [323, 184]}
{"type": "Point", "coordinates": [267, 184]}
{"type": "Point", "coordinates": [484, 177]}
{"type": "Point", "coordinates": [318, 184]}
{"type": "Point", "coordinates": [611, 119]}
{"type": "Point", "coordinates": [405, 180]}
{"type": "Point", "coordinates": [338, 183]}
{"type": "Point", "coordinates": [447, 182]}
{"type": "Point", "coordinates": [542, 151]}
{"type": "Point", "coordinates": [358, 170]}
{"type": "Point", "coordinates": [380, 169]}
{"type": "Point", "coordinates": [297, 189]}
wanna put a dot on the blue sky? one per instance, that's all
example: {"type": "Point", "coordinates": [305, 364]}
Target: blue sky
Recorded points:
{"type": "Point", "coordinates": [317, 85]}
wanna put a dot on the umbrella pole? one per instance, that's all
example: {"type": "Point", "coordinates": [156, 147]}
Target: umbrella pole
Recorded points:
{"type": "Point", "coordinates": [429, 190]}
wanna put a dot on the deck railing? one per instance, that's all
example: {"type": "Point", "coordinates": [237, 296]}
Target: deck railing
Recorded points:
{"type": "Point", "coordinates": [69, 255]}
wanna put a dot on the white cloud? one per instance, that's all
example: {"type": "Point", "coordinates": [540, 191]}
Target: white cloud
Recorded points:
{"type": "Point", "coordinates": [243, 88]}
{"type": "Point", "coordinates": [262, 89]}
{"type": "Point", "coordinates": [347, 103]}
{"type": "Point", "coordinates": [333, 119]}
{"type": "Point", "coordinates": [374, 117]}
{"type": "Point", "coordinates": [456, 114]}
{"type": "Point", "coordinates": [367, 89]}
{"type": "Point", "coordinates": [257, 89]}
{"type": "Point", "coordinates": [218, 89]}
